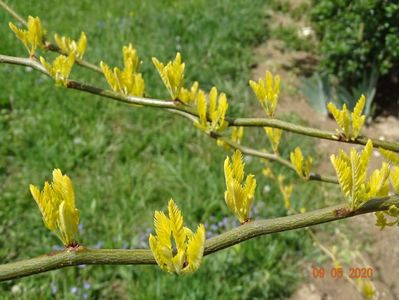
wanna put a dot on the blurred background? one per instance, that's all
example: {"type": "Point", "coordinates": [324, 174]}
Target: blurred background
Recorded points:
{"type": "Point", "coordinates": [126, 162]}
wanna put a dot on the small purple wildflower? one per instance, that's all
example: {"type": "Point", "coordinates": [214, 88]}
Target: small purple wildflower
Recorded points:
{"type": "Point", "coordinates": [54, 288]}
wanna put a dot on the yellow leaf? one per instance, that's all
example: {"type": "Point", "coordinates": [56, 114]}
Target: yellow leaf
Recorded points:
{"type": "Point", "coordinates": [301, 165]}
{"type": "Point", "coordinates": [237, 134]}
{"type": "Point", "coordinates": [33, 37]}
{"type": "Point", "coordinates": [352, 176]}
{"type": "Point", "coordinates": [349, 124]}
{"type": "Point", "coordinates": [189, 96]}
{"type": "Point", "coordinates": [238, 195]}
{"type": "Point", "coordinates": [69, 46]}
{"type": "Point", "coordinates": [186, 257]}
{"type": "Point", "coordinates": [274, 135]}
{"type": "Point", "coordinates": [394, 178]}
{"type": "Point", "coordinates": [60, 68]}
{"type": "Point", "coordinates": [216, 112]}
{"type": "Point", "coordinates": [127, 81]}
{"type": "Point", "coordinates": [172, 75]}
{"type": "Point", "coordinates": [267, 92]}
{"type": "Point", "coordinates": [57, 205]}
{"type": "Point", "coordinates": [390, 156]}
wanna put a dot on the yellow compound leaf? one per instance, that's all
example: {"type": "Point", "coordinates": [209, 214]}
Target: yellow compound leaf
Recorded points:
{"type": "Point", "coordinates": [216, 112]}
{"type": "Point", "coordinates": [60, 68]}
{"type": "Point", "coordinates": [33, 37]}
{"type": "Point", "coordinates": [69, 46]}
{"type": "Point", "coordinates": [267, 92]}
{"type": "Point", "coordinates": [201, 109]}
{"type": "Point", "coordinates": [184, 254]}
{"type": "Point", "coordinates": [274, 135]}
{"type": "Point", "coordinates": [189, 96]}
{"type": "Point", "coordinates": [127, 81]}
{"type": "Point", "coordinates": [378, 184]}
{"type": "Point", "coordinates": [350, 124]}
{"type": "Point", "coordinates": [172, 75]}
{"type": "Point", "coordinates": [237, 134]}
{"type": "Point", "coordinates": [238, 195]}
{"type": "Point", "coordinates": [357, 117]}
{"type": "Point", "coordinates": [352, 176]}
{"type": "Point", "coordinates": [394, 178]}
{"type": "Point", "coordinates": [57, 205]}
{"type": "Point", "coordinates": [390, 156]}
{"type": "Point", "coordinates": [301, 165]}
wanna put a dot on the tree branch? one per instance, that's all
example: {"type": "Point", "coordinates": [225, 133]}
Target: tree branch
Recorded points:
{"type": "Point", "coordinates": [82, 255]}
{"type": "Point", "coordinates": [246, 122]}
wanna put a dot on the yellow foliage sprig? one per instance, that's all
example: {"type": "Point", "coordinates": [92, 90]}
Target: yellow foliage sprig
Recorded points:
{"type": "Point", "coordinates": [69, 46]}
{"type": "Point", "coordinates": [390, 156]}
{"type": "Point", "coordinates": [57, 205]}
{"type": "Point", "coordinates": [33, 37]}
{"type": "Point", "coordinates": [352, 174]}
{"type": "Point", "coordinates": [215, 108]}
{"type": "Point", "coordinates": [267, 92]}
{"type": "Point", "coordinates": [189, 96]}
{"type": "Point", "coordinates": [390, 217]}
{"type": "Point", "coordinates": [175, 247]}
{"type": "Point", "coordinates": [286, 191]}
{"type": "Point", "coordinates": [172, 75]}
{"type": "Point", "coordinates": [238, 195]}
{"type": "Point", "coordinates": [127, 81]}
{"type": "Point", "coordinates": [350, 124]}
{"type": "Point", "coordinates": [60, 68]}
{"type": "Point", "coordinates": [274, 135]}
{"type": "Point", "coordinates": [301, 165]}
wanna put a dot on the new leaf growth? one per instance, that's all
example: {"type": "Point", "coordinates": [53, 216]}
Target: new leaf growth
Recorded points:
{"type": "Point", "coordinates": [267, 92]}
{"type": "Point", "coordinates": [172, 75]}
{"type": "Point", "coordinates": [301, 165]}
{"type": "Point", "coordinates": [60, 68]}
{"type": "Point", "coordinates": [352, 174]}
{"type": "Point", "coordinates": [127, 81]}
{"type": "Point", "coordinates": [349, 124]}
{"type": "Point", "coordinates": [57, 204]}
{"type": "Point", "coordinates": [238, 195]}
{"type": "Point", "coordinates": [69, 46]}
{"type": "Point", "coordinates": [175, 247]}
{"type": "Point", "coordinates": [216, 111]}
{"type": "Point", "coordinates": [31, 38]}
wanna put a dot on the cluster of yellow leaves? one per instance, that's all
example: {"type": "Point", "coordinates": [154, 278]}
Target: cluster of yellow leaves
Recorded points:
{"type": "Point", "coordinates": [390, 156]}
{"type": "Point", "coordinates": [175, 247]}
{"type": "Point", "coordinates": [127, 81]}
{"type": "Point", "coordinates": [189, 96]}
{"type": "Point", "coordinates": [217, 107]}
{"type": "Point", "coordinates": [301, 165]}
{"type": "Point", "coordinates": [172, 75]}
{"type": "Point", "coordinates": [60, 68]}
{"type": "Point", "coordinates": [237, 134]}
{"type": "Point", "coordinates": [267, 92]}
{"type": "Point", "coordinates": [57, 205]}
{"type": "Point", "coordinates": [367, 288]}
{"type": "Point", "coordinates": [238, 196]}
{"type": "Point", "coordinates": [350, 124]}
{"type": "Point", "coordinates": [31, 38]}
{"type": "Point", "coordinates": [69, 46]}
{"type": "Point", "coordinates": [352, 176]}
{"type": "Point", "coordinates": [286, 191]}
{"type": "Point", "coordinates": [393, 212]}
{"type": "Point", "coordinates": [274, 135]}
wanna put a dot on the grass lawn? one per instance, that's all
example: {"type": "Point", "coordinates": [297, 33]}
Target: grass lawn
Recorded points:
{"type": "Point", "coordinates": [126, 162]}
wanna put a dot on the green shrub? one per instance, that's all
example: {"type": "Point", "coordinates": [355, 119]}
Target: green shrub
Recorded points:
{"type": "Point", "coordinates": [355, 36]}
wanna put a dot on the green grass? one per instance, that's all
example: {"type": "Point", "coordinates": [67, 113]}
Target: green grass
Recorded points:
{"type": "Point", "coordinates": [126, 162]}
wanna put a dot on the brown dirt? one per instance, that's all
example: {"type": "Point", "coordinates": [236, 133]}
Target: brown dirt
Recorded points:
{"type": "Point", "coordinates": [382, 246]}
